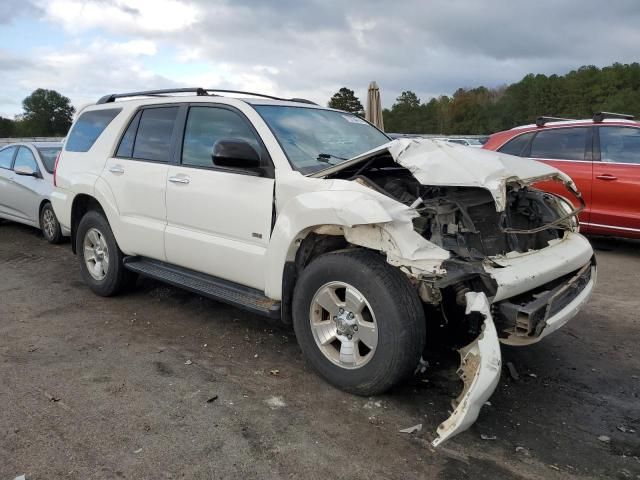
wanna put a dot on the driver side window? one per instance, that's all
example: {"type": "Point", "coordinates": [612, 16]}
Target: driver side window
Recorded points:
{"type": "Point", "coordinates": [205, 126]}
{"type": "Point", "coordinates": [25, 158]}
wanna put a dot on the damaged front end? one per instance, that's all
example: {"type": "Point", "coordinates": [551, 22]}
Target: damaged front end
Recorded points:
{"type": "Point", "coordinates": [517, 269]}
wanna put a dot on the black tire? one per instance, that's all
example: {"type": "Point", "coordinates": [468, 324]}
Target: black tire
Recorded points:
{"type": "Point", "coordinates": [52, 233]}
{"type": "Point", "coordinates": [117, 278]}
{"type": "Point", "coordinates": [398, 311]}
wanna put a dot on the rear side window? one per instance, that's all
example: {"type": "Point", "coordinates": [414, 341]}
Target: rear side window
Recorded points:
{"type": "Point", "coordinates": [560, 144]}
{"type": "Point", "coordinates": [516, 145]}
{"type": "Point", "coordinates": [153, 139]}
{"type": "Point", "coordinates": [125, 149]}
{"type": "Point", "coordinates": [6, 156]}
{"type": "Point", "coordinates": [620, 144]}
{"type": "Point", "coordinates": [88, 128]}
{"type": "Point", "coordinates": [48, 156]}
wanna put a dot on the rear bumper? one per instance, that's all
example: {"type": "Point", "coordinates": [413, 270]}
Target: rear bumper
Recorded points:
{"type": "Point", "coordinates": [61, 202]}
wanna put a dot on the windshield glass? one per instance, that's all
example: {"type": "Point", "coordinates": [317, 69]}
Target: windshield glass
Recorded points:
{"type": "Point", "coordinates": [313, 138]}
{"type": "Point", "coordinates": [48, 156]}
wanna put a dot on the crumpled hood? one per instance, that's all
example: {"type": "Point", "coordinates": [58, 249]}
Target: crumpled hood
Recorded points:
{"type": "Point", "coordinates": [438, 163]}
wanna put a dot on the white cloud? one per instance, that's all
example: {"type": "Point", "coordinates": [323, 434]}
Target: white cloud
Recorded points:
{"type": "Point", "coordinates": [131, 16]}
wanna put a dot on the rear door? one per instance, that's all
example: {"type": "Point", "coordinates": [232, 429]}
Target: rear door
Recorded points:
{"type": "Point", "coordinates": [570, 150]}
{"type": "Point", "coordinates": [219, 219]}
{"type": "Point", "coordinates": [616, 181]}
{"type": "Point", "coordinates": [6, 179]}
{"type": "Point", "coordinates": [137, 176]}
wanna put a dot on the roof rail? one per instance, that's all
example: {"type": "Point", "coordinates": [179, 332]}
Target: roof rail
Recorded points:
{"type": "Point", "coordinates": [543, 120]}
{"type": "Point", "coordinates": [600, 116]}
{"type": "Point", "coordinates": [198, 91]}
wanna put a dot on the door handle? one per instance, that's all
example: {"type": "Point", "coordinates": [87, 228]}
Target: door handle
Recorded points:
{"type": "Point", "coordinates": [606, 176]}
{"type": "Point", "coordinates": [179, 179]}
{"type": "Point", "coordinates": [116, 169]}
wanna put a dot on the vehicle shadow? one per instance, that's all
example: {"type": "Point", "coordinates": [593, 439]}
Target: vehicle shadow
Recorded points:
{"type": "Point", "coordinates": [627, 246]}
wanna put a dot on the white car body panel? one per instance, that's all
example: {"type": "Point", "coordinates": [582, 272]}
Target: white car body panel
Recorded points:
{"type": "Point", "coordinates": [203, 230]}
{"type": "Point", "coordinates": [480, 367]}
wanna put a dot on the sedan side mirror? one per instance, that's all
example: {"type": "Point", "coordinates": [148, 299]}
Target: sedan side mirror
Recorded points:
{"type": "Point", "coordinates": [235, 153]}
{"type": "Point", "coordinates": [25, 171]}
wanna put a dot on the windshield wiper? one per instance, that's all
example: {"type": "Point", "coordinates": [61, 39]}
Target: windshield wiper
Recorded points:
{"type": "Point", "coordinates": [325, 157]}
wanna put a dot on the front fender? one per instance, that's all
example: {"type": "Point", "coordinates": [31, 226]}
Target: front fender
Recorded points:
{"type": "Point", "coordinates": [340, 208]}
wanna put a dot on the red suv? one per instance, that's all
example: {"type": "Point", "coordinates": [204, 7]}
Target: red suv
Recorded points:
{"type": "Point", "coordinates": [601, 155]}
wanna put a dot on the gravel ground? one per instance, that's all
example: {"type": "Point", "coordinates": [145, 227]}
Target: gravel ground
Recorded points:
{"type": "Point", "coordinates": [160, 383]}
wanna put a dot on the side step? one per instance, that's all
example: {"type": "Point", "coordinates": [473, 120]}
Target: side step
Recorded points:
{"type": "Point", "coordinates": [206, 285]}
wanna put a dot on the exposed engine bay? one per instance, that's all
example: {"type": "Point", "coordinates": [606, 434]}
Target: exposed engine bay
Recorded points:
{"type": "Point", "coordinates": [464, 220]}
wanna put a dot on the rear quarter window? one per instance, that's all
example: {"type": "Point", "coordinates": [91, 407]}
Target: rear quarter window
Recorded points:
{"type": "Point", "coordinates": [516, 145]}
{"type": "Point", "coordinates": [88, 128]}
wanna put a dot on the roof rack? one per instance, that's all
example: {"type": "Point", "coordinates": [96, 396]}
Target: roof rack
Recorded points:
{"type": "Point", "coordinates": [543, 120]}
{"type": "Point", "coordinates": [201, 92]}
{"type": "Point", "coordinates": [600, 116]}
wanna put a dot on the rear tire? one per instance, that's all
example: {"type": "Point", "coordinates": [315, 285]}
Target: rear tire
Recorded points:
{"type": "Point", "coordinates": [49, 224]}
{"type": "Point", "coordinates": [376, 338]}
{"type": "Point", "coordinates": [101, 260]}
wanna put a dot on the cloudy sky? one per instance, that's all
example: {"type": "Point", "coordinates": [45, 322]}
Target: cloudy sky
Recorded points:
{"type": "Point", "coordinates": [302, 48]}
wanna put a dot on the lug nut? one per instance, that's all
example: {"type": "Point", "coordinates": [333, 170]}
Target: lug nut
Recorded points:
{"type": "Point", "coordinates": [349, 336]}
{"type": "Point", "coordinates": [355, 328]}
{"type": "Point", "coordinates": [335, 318]}
{"type": "Point", "coordinates": [341, 311]}
{"type": "Point", "coordinates": [351, 315]}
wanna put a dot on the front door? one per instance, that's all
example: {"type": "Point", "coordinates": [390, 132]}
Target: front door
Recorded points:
{"type": "Point", "coordinates": [6, 179]}
{"type": "Point", "coordinates": [218, 218]}
{"type": "Point", "coordinates": [616, 182]}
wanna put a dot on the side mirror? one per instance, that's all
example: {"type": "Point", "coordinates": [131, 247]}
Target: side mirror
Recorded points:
{"type": "Point", "coordinates": [234, 153]}
{"type": "Point", "coordinates": [25, 171]}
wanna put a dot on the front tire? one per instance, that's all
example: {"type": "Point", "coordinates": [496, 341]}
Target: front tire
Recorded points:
{"type": "Point", "coordinates": [100, 257]}
{"type": "Point", "coordinates": [49, 224]}
{"type": "Point", "coordinates": [358, 321]}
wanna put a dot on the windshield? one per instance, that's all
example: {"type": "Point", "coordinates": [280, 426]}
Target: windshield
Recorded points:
{"type": "Point", "coordinates": [48, 156]}
{"type": "Point", "coordinates": [313, 138]}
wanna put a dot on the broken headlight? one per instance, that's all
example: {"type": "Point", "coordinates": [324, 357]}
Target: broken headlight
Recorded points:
{"type": "Point", "coordinates": [568, 210]}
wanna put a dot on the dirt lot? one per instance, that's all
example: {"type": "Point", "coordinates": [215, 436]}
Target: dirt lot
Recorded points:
{"type": "Point", "coordinates": [96, 388]}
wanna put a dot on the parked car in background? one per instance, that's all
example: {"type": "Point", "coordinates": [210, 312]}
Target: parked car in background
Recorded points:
{"type": "Point", "coordinates": [467, 142]}
{"type": "Point", "coordinates": [26, 182]}
{"type": "Point", "coordinates": [601, 155]}
{"type": "Point", "coordinates": [252, 201]}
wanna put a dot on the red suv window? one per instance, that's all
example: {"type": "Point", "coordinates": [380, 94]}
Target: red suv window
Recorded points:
{"type": "Point", "coordinates": [560, 144]}
{"type": "Point", "coordinates": [620, 144]}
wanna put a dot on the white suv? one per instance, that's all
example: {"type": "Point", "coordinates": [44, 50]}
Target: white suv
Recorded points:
{"type": "Point", "coordinates": [313, 215]}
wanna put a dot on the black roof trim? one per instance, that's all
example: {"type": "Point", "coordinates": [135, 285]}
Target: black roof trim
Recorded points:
{"type": "Point", "coordinates": [600, 116]}
{"type": "Point", "coordinates": [198, 91]}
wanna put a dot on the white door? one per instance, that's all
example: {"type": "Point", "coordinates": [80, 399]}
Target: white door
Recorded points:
{"type": "Point", "coordinates": [6, 179]}
{"type": "Point", "coordinates": [218, 220]}
{"type": "Point", "coordinates": [137, 177]}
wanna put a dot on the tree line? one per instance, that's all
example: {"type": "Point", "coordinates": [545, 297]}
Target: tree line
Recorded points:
{"type": "Point", "coordinates": [46, 113]}
{"type": "Point", "coordinates": [482, 110]}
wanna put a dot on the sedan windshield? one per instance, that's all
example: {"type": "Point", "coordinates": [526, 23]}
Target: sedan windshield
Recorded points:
{"type": "Point", "coordinates": [313, 138]}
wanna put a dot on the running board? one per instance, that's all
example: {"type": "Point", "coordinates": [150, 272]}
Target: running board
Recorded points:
{"type": "Point", "coordinates": [206, 285]}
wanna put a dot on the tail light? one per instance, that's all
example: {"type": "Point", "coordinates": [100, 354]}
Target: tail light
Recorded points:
{"type": "Point", "coordinates": [55, 169]}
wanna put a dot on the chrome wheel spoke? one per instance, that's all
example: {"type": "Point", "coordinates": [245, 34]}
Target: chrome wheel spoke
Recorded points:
{"type": "Point", "coordinates": [328, 300]}
{"type": "Point", "coordinates": [368, 334]}
{"type": "Point", "coordinates": [354, 301]}
{"type": "Point", "coordinates": [325, 331]}
{"type": "Point", "coordinates": [349, 353]}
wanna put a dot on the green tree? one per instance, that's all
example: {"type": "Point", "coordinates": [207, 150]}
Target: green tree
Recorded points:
{"type": "Point", "coordinates": [7, 127]}
{"type": "Point", "coordinates": [345, 99]}
{"type": "Point", "coordinates": [407, 99]}
{"type": "Point", "coordinates": [46, 113]}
